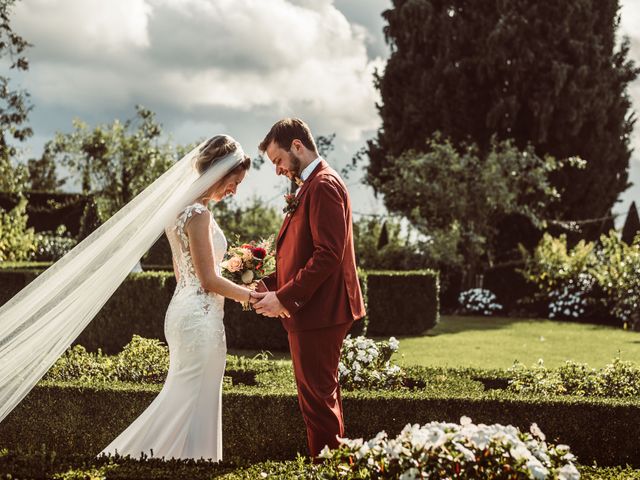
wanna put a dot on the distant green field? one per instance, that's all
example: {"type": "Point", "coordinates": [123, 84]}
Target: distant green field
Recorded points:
{"type": "Point", "coordinates": [496, 342]}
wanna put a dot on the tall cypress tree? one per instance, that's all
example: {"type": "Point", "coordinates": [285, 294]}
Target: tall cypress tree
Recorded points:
{"type": "Point", "coordinates": [631, 225]}
{"type": "Point", "coordinates": [543, 72]}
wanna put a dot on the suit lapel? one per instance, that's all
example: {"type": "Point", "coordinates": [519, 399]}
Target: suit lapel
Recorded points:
{"type": "Point", "coordinates": [323, 164]}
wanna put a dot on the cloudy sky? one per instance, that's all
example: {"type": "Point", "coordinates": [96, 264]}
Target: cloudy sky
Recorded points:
{"type": "Point", "coordinates": [232, 66]}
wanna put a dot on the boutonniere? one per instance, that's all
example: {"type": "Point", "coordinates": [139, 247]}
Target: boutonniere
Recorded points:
{"type": "Point", "coordinates": [292, 203]}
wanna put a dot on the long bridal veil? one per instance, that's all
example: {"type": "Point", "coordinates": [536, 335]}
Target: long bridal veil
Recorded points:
{"type": "Point", "coordinates": [39, 323]}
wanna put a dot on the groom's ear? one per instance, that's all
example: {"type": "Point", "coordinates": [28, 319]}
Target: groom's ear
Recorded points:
{"type": "Point", "coordinates": [297, 146]}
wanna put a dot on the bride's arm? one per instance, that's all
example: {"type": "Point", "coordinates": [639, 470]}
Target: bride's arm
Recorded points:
{"type": "Point", "coordinates": [198, 230]}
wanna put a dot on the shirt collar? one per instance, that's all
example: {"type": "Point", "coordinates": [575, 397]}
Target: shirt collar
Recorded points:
{"type": "Point", "coordinates": [310, 168]}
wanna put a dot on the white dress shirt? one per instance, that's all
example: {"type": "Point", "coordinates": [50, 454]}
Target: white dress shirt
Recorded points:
{"type": "Point", "coordinates": [309, 170]}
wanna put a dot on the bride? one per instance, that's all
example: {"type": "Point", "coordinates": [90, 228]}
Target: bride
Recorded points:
{"type": "Point", "coordinates": [39, 323]}
{"type": "Point", "coordinates": [184, 420]}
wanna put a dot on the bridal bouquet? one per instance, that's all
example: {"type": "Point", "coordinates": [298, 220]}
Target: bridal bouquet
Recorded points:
{"type": "Point", "coordinates": [246, 264]}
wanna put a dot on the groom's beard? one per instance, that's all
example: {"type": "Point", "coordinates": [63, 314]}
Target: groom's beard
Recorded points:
{"type": "Point", "coordinates": [295, 169]}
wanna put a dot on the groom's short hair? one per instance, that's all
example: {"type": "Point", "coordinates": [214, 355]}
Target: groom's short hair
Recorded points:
{"type": "Point", "coordinates": [285, 131]}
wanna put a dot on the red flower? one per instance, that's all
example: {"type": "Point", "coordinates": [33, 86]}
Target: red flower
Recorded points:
{"type": "Point", "coordinates": [259, 252]}
{"type": "Point", "coordinates": [246, 245]}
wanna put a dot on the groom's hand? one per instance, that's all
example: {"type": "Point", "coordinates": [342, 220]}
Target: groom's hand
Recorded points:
{"type": "Point", "coordinates": [270, 306]}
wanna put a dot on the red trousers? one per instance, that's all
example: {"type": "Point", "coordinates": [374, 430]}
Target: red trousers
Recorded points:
{"type": "Point", "coordinates": [315, 355]}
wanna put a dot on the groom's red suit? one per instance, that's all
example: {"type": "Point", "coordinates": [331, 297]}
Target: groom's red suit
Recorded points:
{"type": "Point", "coordinates": [317, 282]}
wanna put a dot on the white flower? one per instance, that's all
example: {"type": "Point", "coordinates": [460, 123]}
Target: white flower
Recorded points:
{"type": "Point", "coordinates": [468, 454]}
{"type": "Point", "coordinates": [520, 452]}
{"type": "Point", "coordinates": [538, 471]}
{"type": "Point", "coordinates": [412, 474]}
{"type": "Point", "coordinates": [568, 472]}
{"type": "Point", "coordinates": [247, 277]}
{"type": "Point", "coordinates": [535, 430]}
{"type": "Point", "coordinates": [325, 453]}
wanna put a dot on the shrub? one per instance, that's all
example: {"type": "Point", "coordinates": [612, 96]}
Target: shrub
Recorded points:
{"type": "Point", "coordinates": [618, 379]}
{"type": "Point", "coordinates": [17, 241]}
{"type": "Point", "coordinates": [141, 360]}
{"type": "Point", "coordinates": [572, 299]}
{"type": "Point", "coordinates": [402, 303]}
{"type": "Point", "coordinates": [262, 421]}
{"type": "Point", "coordinates": [580, 279]}
{"type": "Point", "coordinates": [48, 464]}
{"type": "Point", "coordinates": [365, 363]}
{"type": "Point", "coordinates": [51, 246]}
{"type": "Point", "coordinates": [618, 274]}
{"type": "Point", "coordinates": [479, 300]}
{"type": "Point", "coordinates": [139, 305]}
{"type": "Point", "coordinates": [449, 450]}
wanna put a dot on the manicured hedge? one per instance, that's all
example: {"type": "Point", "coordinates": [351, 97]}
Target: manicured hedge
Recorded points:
{"type": "Point", "coordinates": [48, 210]}
{"type": "Point", "coordinates": [399, 303]}
{"type": "Point", "coordinates": [263, 422]}
{"type": "Point", "coordinates": [402, 303]}
{"type": "Point", "coordinates": [46, 464]}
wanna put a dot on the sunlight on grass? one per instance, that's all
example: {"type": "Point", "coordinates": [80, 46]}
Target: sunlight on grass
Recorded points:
{"type": "Point", "coordinates": [496, 342]}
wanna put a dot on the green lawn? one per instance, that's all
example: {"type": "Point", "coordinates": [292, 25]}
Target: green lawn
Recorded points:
{"type": "Point", "coordinates": [496, 342]}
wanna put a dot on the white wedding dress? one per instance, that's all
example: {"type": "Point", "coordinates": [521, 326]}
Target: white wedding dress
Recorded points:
{"type": "Point", "coordinates": [185, 419]}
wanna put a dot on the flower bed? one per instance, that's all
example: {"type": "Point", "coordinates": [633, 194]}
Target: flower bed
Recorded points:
{"type": "Point", "coordinates": [450, 450]}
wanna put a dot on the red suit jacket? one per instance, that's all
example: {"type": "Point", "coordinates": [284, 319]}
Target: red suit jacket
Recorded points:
{"type": "Point", "coordinates": [316, 278]}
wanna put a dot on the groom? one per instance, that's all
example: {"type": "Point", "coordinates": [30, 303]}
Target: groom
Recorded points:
{"type": "Point", "coordinates": [315, 288]}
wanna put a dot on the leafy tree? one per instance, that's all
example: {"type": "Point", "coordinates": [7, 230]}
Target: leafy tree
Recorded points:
{"type": "Point", "coordinates": [17, 241]}
{"type": "Point", "coordinates": [631, 225]}
{"type": "Point", "coordinates": [399, 252]}
{"type": "Point", "coordinates": [42, 174]}
{"type": "Point", "coordinates": [539, 71]}
{"type": "Point", "coordinates": [14, 104]}
{"type": "Point", "coordinates": [116, 161]}
{"type": "Point", "coordinates": [252, 222]}
{"type": "Point", "coordinates": [456, 193]}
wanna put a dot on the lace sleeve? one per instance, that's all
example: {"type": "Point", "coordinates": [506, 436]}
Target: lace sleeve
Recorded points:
{"type": "Point", "coordinates": [183, 219]}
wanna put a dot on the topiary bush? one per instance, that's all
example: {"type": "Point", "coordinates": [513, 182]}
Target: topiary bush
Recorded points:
{"type": "Point", "coordinates": [139, 305]}
{"type": "Point", "coordinates": [402, 303]}
{"type": "Point", "coordinates": [263, 422]}
{"type": "Point", "coordinates": [48, 464]}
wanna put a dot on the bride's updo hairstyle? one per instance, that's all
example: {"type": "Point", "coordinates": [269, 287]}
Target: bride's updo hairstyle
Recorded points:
{"type": "Point", "coordinates": [216, 148]}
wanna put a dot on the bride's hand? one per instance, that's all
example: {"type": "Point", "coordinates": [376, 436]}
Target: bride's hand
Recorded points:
{"type": "Point", "coordinates": [255, 297]}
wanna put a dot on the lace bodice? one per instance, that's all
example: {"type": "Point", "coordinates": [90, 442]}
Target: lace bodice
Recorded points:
{"type": "Point", "coordinates": [179, 241]}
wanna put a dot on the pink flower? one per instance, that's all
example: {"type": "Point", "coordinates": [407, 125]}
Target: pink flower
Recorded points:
{"type": "Point", "coordinates": [234, 264]}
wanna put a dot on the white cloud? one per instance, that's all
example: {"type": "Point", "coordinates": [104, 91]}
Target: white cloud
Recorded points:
{"type": "Point", "coordinates": [281, 56]}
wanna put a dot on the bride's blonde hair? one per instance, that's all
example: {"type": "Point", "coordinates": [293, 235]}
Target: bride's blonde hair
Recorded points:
{"type": "Point", "coordinates": [214, 149]}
